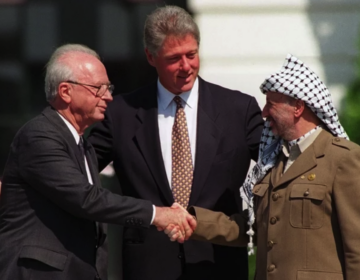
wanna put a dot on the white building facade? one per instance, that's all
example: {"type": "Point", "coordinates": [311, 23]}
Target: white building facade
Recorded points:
{"type": "Point", "coordinates": [244, 41]}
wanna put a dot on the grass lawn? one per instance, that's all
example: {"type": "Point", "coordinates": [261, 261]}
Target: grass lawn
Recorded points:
{"type": "Point", "coordinates": [252, 266]}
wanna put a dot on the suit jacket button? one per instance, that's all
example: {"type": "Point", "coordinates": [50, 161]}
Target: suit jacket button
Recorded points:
{"type": "Point", "coordinates": [180, 256]}
{"type": "Point", "coordinates": [273, 220]}
{"type": "Point", "coordinates": [271, 268]}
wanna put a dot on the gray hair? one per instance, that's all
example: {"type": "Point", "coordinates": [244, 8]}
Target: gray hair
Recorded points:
{"type": "Point", "coordinates": [58, 71]}
{"type": "Point", "coordinates": [165, 21]}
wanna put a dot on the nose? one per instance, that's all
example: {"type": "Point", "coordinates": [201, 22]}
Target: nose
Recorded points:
{"type": "Point", "coordinates": [107, 96]}
{"type": "Point", "coordinates": [185, 65]}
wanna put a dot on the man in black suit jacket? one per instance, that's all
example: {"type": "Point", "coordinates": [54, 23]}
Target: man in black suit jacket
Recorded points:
{"type": "Point", "coordinates": [52, 200]}
{"type": "Point", "coordinates": [224, 128]}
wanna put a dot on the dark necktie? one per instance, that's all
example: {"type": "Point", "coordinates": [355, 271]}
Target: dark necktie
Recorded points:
{"type": "Point", "coordinates": [96, 224]}
{"type": "Point", "coordinates": [182, 166]}
{"type": "Point", "coordinates": [81, 148]}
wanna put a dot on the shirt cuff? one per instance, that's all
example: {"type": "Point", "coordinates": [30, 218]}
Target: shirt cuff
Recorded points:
{"type": "Point", "coordinates": [153, 215]}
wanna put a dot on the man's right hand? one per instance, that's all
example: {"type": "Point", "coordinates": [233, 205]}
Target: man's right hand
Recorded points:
{"type": "Point", "coordinates": [175, 217]}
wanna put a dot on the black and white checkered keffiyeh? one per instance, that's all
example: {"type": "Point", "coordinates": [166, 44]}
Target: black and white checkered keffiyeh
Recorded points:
{"type": "Point", "coordinates": [296, 80]}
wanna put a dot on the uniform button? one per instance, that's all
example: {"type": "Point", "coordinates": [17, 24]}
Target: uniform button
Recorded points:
{"type": "Point", "coordinates": [306, 193]}
{"type": "Point", "coordinates": [275, 196]}
{"type": "Point", "coordinates": [271, 268]}
{"type": "Point", "coordinates": [256, 191]}
{"type": "Point", "coordinates": [311, 177]}
{"type": "Point", "coordinates": [180, 256]}
{"type": "Point", "coordinates": [273, 220]}
{"type": "Point", "coordinates": [337, 139]}
{"type": "Point", "coordinates": [270, 243]}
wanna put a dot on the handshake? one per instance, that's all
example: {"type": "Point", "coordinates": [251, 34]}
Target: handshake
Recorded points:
{"type": "Point", "coordinates": [175, 221]}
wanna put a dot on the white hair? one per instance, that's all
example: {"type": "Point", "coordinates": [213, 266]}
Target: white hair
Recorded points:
{"type": "Point", "coordinates": [57, 72]}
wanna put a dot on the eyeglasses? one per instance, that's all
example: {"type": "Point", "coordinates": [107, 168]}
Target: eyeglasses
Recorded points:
{"type": "Point", "coordinates": [101, 90]}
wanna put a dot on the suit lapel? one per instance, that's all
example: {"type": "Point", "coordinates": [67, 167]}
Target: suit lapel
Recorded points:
{"type": "Point", "coordinates": [54, 117]}
{"type": "Point", "coordinates": [148, 141]}
{"type": "Point", "coordinates": [92, 163]}
{"type": "Point", "coordinates": [207, 140]}
{"type": "Point", "coordinates": [80, 160]}
{"type": "Point", "coordinates": [94, 172]}
{"type": "Point", "coordinates": [307, 160]}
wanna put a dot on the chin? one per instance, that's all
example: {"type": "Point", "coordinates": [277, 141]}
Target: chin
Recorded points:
{"type": "Point", "coordinates": [186, 87]}
{"type": "Point", "coordinates": [99, 117]}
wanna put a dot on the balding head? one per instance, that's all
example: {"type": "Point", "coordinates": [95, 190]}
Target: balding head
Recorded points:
{"type": "Point", "coordinates": [62, 66]}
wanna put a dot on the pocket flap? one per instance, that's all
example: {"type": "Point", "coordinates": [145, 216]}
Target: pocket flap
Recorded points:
{"type": "Point", "coordinates": [46, 256]}
{"type": "Point", "coordinates": [309, 275]}
{"type": "Point", "coordinates": [308, 191]}
{"type": "Point", "coordinates": [260, 189]}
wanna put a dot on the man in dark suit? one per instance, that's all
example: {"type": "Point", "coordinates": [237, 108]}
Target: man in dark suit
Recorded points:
{"type": "Point", "coordinates": [52, 200]}
{"type": "Point", "coordinates": [140, 135]}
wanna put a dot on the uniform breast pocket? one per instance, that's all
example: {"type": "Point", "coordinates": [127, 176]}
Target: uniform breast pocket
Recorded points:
{"type": "Point", "coordinates": [307, 205]}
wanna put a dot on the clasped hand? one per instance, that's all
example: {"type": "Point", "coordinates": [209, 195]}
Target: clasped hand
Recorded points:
{"type": "Point", "coordinates": [175, 221]}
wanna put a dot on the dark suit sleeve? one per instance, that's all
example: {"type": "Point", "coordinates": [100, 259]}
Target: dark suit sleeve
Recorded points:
{"type": "Point", "coordinates": [45, 163]}
{"type": "Point", "coordinates": [101, 137]}
{"type": "Point", "coordinates": [254, 126]}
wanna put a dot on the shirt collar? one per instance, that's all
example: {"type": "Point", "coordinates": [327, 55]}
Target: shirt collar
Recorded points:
{"type": "Point", "coordinates": [165, 97]}
{"type": "Point", "coordinates": [71, 128]}
{"type": "Point", "coordinates": [303, 142]}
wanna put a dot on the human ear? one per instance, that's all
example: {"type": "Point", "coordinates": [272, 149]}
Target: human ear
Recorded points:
{"type": "Point", "coordinates": [64, 92]}
{"type": "Point", "coordinates": [299, 108]}
{"type": "Point", "coordinates": [150, 57]}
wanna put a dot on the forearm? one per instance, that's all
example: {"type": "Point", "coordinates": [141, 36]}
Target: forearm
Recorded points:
{"type": "Point", "coordinates": [217, 228]}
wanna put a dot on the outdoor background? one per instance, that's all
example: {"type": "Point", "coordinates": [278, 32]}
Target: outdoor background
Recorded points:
{"type": "Point", "coordinates": [242, 42]}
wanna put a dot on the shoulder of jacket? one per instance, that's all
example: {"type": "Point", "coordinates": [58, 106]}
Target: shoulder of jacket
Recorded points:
{"type": "Point", "coordinates": [344, 143]}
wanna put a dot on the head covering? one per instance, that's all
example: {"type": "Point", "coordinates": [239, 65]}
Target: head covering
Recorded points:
{"type": "Point", "coordinates": [296, 80]}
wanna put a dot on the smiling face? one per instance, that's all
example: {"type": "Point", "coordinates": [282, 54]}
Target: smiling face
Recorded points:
{"type": "Point", "coordinates": [279, 111]}
{"type": "Point", "coordinates": [177, 63]}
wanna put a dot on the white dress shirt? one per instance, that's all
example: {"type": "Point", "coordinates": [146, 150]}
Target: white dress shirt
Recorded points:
{"type": "Point", "coordinates": [292, 153]}
{"type": "Point", "coordinates": [166, 117]}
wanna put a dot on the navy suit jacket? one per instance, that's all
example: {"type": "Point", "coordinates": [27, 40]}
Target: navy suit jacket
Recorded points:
{"type": "Point", "coordinates": [228, 135]}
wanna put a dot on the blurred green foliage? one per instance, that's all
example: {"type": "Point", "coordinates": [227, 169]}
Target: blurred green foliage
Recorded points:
{"type": "Point", "coordinates": [252, 266]}
{"type": "Point", "coordinates": [350, 109]}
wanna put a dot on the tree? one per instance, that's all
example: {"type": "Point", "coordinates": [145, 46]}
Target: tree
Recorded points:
{"type": "Point", "coordinates": [350, 111]}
